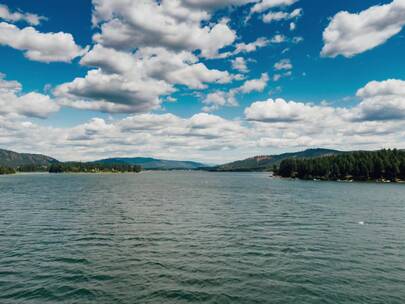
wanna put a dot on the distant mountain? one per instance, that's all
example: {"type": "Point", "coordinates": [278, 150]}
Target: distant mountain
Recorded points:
{"type": "Point", "coordinates": [14, 160]}
{"type": "Point", "coordinates": [266, 162]}
{"type": "Point", "coordinates": [33, 162]}
{"type": "Point", "coordinates": [155, 164]}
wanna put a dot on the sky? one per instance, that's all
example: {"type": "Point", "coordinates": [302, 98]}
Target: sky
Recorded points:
{"type": "Point", "coordinates": [204, 80]}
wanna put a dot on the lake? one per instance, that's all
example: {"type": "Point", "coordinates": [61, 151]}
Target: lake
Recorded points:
{"type": "Point", "coordinates": [199, 237]}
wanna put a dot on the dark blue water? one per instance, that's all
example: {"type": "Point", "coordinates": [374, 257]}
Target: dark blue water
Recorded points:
{"type": "Point", "coordinates": [195, 237]}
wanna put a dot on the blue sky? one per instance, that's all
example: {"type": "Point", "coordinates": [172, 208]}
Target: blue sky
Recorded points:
{"type": "Point", "coordinates": [182, 79]}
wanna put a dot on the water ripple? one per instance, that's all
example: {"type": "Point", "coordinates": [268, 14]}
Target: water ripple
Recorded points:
{"type": "Point", "coordinates": [196, 237]}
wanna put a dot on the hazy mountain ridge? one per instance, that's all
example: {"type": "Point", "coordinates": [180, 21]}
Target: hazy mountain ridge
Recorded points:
{"type": "Point", "coordinates": [266, 162]}
{"type": "Point", "coordinates": [149, 163]}
{"type": "Point", "coordinates": [13, 159]}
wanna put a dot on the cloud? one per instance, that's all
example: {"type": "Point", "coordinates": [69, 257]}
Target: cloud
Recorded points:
{"type": "Point", "coordinates": [390, 87]}
{"type": "Point", "coordinates": [278, 76]}
{"type": "Point", "coordinates": [158, 63]}
{"type": "Point", "coordinates": [239, 63]}
{"type": "Point", "coordinates": [284, 68]}
{"type": "Point", "coordinates": [13, 102]}
{"type": "Point", "coordinates": [215, 4]}
{"type": "Point", "coordinates": [34, 105]}
{"type": "Point", "coordinates": [279, 110]}
{"type": "Point", "coordinates": [44, 47]}
{"type": "Point", "coordinates": [105, 106]}
{"type": "Point", "coordinates": [350, 34]}
{"type": "Point", "coordinates": [261, 42]}
{"type": "Point", "coordinates": [9, 16]}
{"type": "Point", "coordinates": [109, 60]}
{"type": "Point", "coordinates": [200, 137]}
{"type": "Point", "coordinates": [194, 76]}
{"type": "Point", "coordinates": [179, 68]}
{"type": "Point", "coordinates": [268, 4]}
{"type": "Point", "coordinates": [206, 137]}
{"type": "Point", "coordinates": [147, 50]}
{"type": "Point", "coordinates": [7, 86]}
{"type": "Point", "coordinates": [137, 94]}
{"type": "Point", "coordinates": [297, 40]}
{"type": "Point", "coordinates": [128, 25]}
{"type": "Point", "coordinates": [251, 46]}
{"type": "Point", "coordinates": [293, 26]}
{"type": "Point", "coordinates": [136, 81]}
{"type": "Point", "coordinates": [218, 99]}
{"type": "Point", "coordinates": [278, 39]}
{"type": "Point", "coordinates": [254, 85]}
{"type": "Point", "coordinates": [270, 125]}
{"type": "Point", "coordinates": [283, 64]}
{"type": "Point", "coordinates": [381, 101]}
{"type": "Point", "coordinates": [279, 123]}
{"type": "Point", "coordinates": [278, 16]}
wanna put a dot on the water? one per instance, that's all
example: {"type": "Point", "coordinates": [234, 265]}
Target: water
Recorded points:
{"type": "Point", "coordinates": [196, 237]}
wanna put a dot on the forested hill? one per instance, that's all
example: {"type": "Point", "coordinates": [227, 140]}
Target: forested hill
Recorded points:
{"type": "Point", "coordinates": [148, 163]}
{"type": "Point", "coordinates": [383, 165]}
{"type": "Point", "coordinates": [266, 162]}
{"type": "Point", "coordinates": [36, 162]}
{"type": "Point", "coordinates": [93, 167]}
{"type": "Point", "coordinates": [15, 160]}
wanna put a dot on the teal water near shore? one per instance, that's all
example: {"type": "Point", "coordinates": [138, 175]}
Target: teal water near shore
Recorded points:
{"type": "Point", "coordinates": [198, 237]}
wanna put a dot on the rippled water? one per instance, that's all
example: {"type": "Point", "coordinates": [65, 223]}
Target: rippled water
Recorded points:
{"type": "Point", "coordinates": [196, 237]}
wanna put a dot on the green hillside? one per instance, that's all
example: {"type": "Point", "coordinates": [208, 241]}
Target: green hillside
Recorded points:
{"type": "Point", "coordinates": [148, 163]}
{"type": "Point", "coordinates": [16, 160]}
{"type": "Point", "coordinates": [383, 165]}
{"type": "Point", "coordinates": [25, 162]}
{"type": "Point", "coordinates": [266, 162]}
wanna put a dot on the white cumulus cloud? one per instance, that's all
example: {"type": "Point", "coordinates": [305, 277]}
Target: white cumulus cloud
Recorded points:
{"type": "Point", "coordinates": [37, 46]}
{"type": "Point", "coordinates": [218, 99]}
{"type": "Point", "coordinates": [278, 16]}
{"type": "Point", "coordinates": [349, 34]}
{"type": "Point", "coordinates": [10, 16]}
{"type": "Point", "coordinates": [13, 102]}
{"type": "Point", "coordinates": [127, 24]}
{"type": "Point", "coordinates": [136, 81]}
{"type": "Point", "coordinates": [283, 64]}
{"type": "Point", "coordinates": [239, 63]}
{"type": "Point", "coordinates": [382, 101]}
{"type": "Point", "coordinates": [268, 4]}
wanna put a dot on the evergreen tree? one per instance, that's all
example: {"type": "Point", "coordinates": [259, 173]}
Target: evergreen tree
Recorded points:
{"type": "Point", "coordinates": [386, 164]}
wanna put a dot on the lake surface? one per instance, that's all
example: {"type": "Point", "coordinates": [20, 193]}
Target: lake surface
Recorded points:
{"type": "Point", "coordinates": [197, 237]}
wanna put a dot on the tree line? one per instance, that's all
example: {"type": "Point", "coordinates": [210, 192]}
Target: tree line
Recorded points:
{"type": "Point", "coordinates": [78, 167]}
{"type": "Point", "coordinates": [24, 168]}
{"type": "Point", "coordinates": [7, 170]}
{"type": "Point", "coordinates": [362, 165]}
{"type": "Point", "coordinates": [73, 167]}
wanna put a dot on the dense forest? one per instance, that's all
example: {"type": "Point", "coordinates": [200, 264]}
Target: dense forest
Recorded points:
{"type": "Point", "coordinates": [24, 168]}
{"type": "Point", "coordinates": [33, 168]}
{"type": "Point", "coordinates": [383, 165]}
{"type": "Point", "coordinates": [6, 170]}
{"type": "Point", "coordinates": [94, 167]}
{"type": "Point", "coordinates": [267, 162]}
{"type": "Point", "coordinates": [74, 167]}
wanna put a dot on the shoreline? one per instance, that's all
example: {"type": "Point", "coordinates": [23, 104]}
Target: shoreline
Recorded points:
{"type": "Point", "coordinates": [375, 181]}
